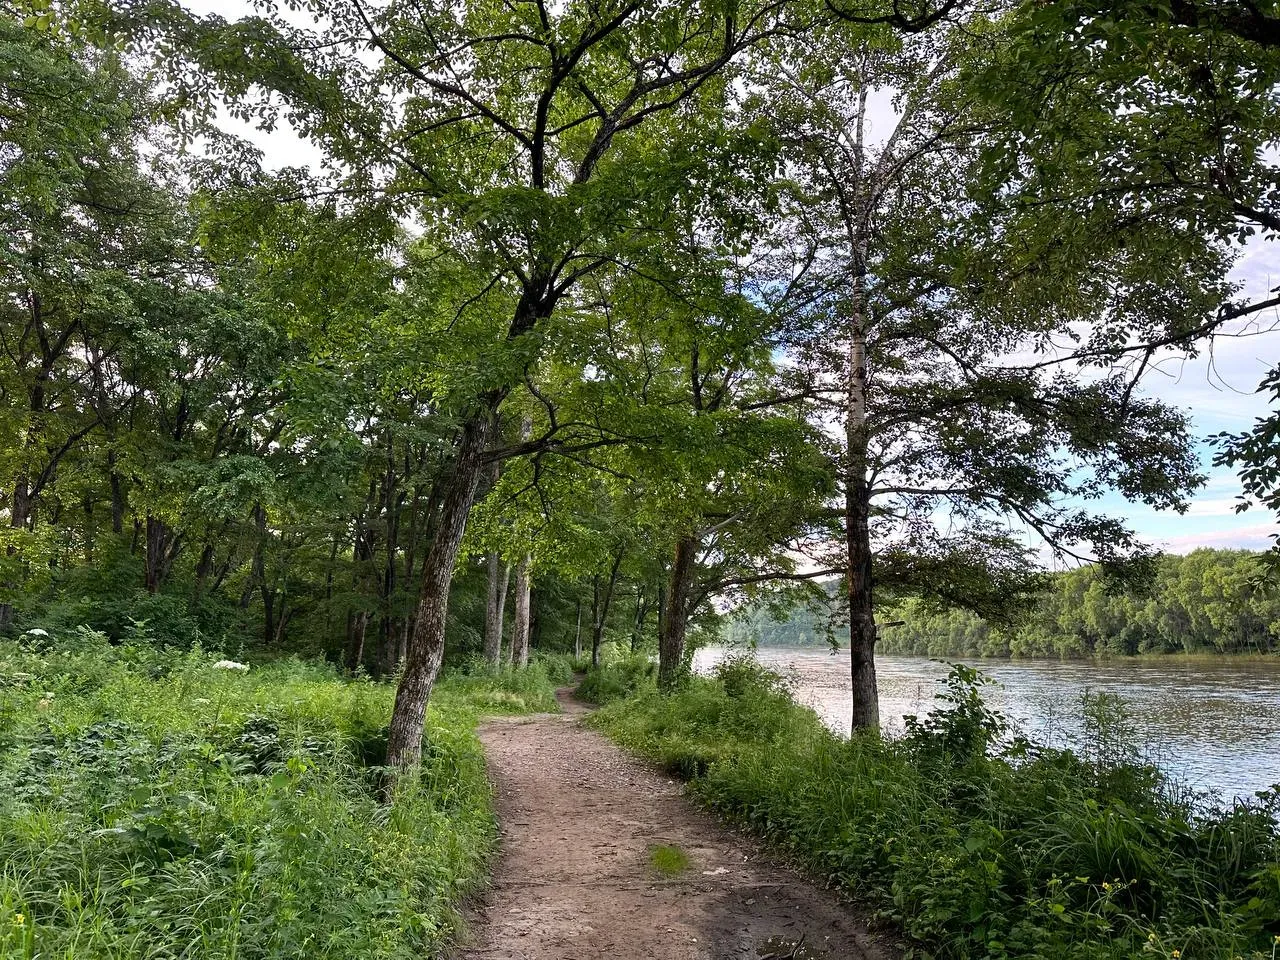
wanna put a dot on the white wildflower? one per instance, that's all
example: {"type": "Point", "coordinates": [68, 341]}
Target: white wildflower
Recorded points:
{"type": "Point", "coordinates": [230, 665]}
{"type": "Point", "coordinates": [201, 701]}
{"type": "Point", "coordinates": [36, 632]}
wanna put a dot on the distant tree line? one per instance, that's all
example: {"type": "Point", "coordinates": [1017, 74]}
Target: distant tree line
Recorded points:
{"type": "Point", "coordinates": [1212, 601]}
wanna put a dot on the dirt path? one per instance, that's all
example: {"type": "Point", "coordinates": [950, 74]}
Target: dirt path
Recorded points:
{"type": "Point", "coordinates": [575, 878]}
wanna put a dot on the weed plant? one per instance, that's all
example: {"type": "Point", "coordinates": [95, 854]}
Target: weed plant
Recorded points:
{"type": "Point", "coordinates": [972, 842]}
{"type": "Point", "coordinates": [155, 806]}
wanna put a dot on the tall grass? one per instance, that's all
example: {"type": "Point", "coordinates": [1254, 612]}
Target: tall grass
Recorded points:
{"type": "Point", "coordinates": [970, 841]}
{"type": "Point", "coordinates": [153, 806]}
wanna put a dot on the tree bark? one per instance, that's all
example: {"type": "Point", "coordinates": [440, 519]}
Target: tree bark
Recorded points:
{"type": "Point", "coordinates": [357, 622]}
{"type": "Point", "coordinates": [600, 608]}
{"type": "Point", "coordinates": [203, 568]}
{"type": "Point", "coordinates": [19, 517]}
{"type": "Point", "coordinates": [520, 628]}
{"type": "Point", "coordinates": [865, 712]}
{"type": "Point", "coordinates": [162, 550]}
{"type": "Point", "coordinates": [493, 610]}
{"type": "Point", "coordinates": [675, 620]}
{"type": "Point", "coordinates": [862, 624]}
{"type": "Point", "coordinates": [117, 494]}
{"type": "Point", "coordinates": [642, 613]}
{"type": "Point", "coordinates": [577, 631]}
{"type": "Point", "coordinates": [426, 646]}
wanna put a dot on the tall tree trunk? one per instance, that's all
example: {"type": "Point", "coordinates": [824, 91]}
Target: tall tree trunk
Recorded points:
{"type": "Point", "coordinates": [520, 628]}
{"type": "Point", "coordinates": [577, 631]}
{"type": "Point", "coordinates": [117, 494]}
{"type": "Point", "coordinates": [595, 617]}
{"type": "Point", "coordinates": [536, 620]}
{"type": "Point", "coordinates": [204, 566]}
{"type": "Point", "coordinates": [862, 624]}
{"type": "Point", "coordinates": [600, 608]}
{"type": "Point", "coordinates": [283, 619]}
{"type": "Point", "coordinates": [157, 541]}
{"type": "Point", "coordinates": [675, 620]}
{"type": "Point", "coordinates": [642, 611]}
{"type": "Point", "coordinates": [19, 518]}
{"type": "Point", "coordinates": [426, 647]}
{"type": "Point", "coordinates": [268, 613]}
{"type": "Point", "coordinates": [357, 622]}
{"type": "Point", "coordinates": [388, 645]}
{"type": "Point", "coordinates": [508, 656]}
{"type": "Point", "coordinates": [493, 610]}
{"type": "Point", "coordinates": [661, 591]}
{"type": "Point", "coordinates": [257, 566]}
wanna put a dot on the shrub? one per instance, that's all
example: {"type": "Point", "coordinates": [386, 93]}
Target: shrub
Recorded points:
{"type": "Point", "coordinates": [624, 677]}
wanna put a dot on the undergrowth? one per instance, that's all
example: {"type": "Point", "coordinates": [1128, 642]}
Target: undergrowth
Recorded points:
{"type": "Point", "coordinates": [972, 842]}
{"type": "Point", "coordinates": [155, 805]}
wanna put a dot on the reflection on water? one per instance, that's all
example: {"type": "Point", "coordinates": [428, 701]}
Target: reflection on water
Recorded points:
{"type": "Point", "coordinates": [1213, 723]}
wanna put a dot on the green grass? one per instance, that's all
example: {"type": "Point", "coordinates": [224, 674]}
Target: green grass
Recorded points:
{"type": "Point", "coordinates": [670, 861]}
{"type": "Point", "coordinates": [971, 843]}
{"type": "Point", "coordinates": [152, 806]}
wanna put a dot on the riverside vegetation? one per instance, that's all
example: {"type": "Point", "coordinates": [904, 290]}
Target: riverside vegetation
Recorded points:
{"type": "Point", "coordinates": [1209, 601]}
{"type": "Point", "coordinates": [162, 803]}
{"type": "Point", "coordinates": [972, 841]}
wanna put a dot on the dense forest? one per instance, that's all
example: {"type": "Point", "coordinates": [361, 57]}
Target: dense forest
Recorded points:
{"type": "Point", "coordinates": [708, 302]}
{"type": "Point", "coordinates": [1209, 601]}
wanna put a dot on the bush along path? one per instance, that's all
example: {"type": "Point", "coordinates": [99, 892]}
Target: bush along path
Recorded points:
{"type": "Point", "coordinates": [604, 857]}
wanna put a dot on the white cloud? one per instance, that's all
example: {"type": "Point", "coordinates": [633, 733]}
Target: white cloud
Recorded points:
{"type": "Point", "coordinates": [1213, 507]}
{"type": "Point", "coordinates": [1257, 537]}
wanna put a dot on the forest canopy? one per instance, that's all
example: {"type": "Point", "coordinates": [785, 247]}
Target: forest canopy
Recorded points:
{"type": "Point", "coordinates": [622, 311]}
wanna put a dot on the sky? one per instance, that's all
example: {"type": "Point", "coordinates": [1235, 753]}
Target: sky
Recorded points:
{"type": "Point", "coordinates": [1218, 389]}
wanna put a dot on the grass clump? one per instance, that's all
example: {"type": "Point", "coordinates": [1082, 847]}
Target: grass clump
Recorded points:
{"type": "Point", "coordinates": [621, 677]}
{"type": "Point", "coordinates": [668, 860]}
{"type": "Point", "coordinates": [506, 689]}
{"type": "Point", "coordinates": [153, 805]}
{"type": "Point", "coordinates": [973, 842]}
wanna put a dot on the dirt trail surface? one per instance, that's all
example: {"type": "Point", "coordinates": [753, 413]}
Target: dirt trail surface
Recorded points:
{"type": "Point", "coordinates": [575, 878]}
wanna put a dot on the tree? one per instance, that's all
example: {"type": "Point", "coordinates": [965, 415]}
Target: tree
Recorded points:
{"type": "Point", "coordinates": [517, 134]}
{"type": "Point", "coordinates": [1141, 106]}
{"type": "Point", "coordinates": [932, 307]}
{"type": "Point", "coordinates": [96, 255]}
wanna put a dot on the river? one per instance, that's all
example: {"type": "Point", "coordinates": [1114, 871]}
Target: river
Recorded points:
{"type": "Point", "coordinates": [1213, 723]}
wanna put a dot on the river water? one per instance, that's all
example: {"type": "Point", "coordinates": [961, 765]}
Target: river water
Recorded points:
{"type": "Point", "coordinates": [1214, 724]}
